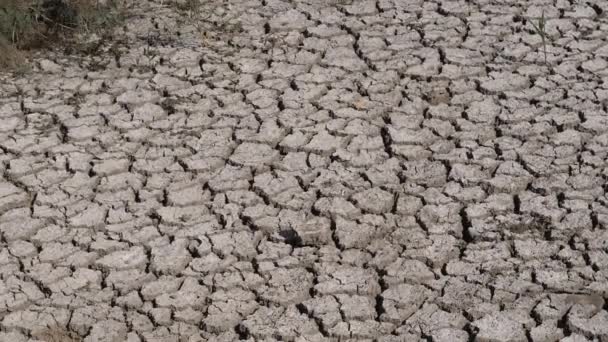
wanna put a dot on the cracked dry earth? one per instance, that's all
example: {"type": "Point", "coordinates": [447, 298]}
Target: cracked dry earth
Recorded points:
{"type": "Point", "coordinates": [312, 170]}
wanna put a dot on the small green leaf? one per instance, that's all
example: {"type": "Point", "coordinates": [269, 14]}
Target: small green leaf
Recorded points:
{"type": "Point", "coordinates": [541, 23]}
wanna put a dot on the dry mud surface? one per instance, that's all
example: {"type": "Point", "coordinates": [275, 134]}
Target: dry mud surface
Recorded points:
{"type": "Point", "coordinates": [314, 170]}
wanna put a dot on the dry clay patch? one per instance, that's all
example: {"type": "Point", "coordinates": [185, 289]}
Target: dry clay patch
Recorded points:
{"type": "Point", "coordinates": [312, 171]}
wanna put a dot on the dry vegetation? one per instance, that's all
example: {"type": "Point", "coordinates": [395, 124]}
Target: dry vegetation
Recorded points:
{"type": "Point", "coordinates": [57, 334]}
{"type": "Point", "coordinates": [26, 25]}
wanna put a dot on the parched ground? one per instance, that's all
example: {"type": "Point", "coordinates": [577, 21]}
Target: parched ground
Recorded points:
{"type": "Point", "coordinates": [312, 170]}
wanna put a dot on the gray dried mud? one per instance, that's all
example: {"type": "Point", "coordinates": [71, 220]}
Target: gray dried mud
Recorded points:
{"type": "Point", "coordinates": [312, 171]}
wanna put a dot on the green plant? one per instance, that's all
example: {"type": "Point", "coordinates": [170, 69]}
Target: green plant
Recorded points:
{"type": "Point", "coordinates": [540, 30]}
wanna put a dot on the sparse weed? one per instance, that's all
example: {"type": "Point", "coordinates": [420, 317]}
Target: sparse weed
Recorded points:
{"type": "Point", "coordinates": [150, 53]}
{"type": "Point", "coordinates": [18, 21]}
{"type": "Point", "coordinates": [10, 56]}
{"type": "Point", "coordinates": [31, 24]}
{"type": "Point", "coordinates": [57, 334]}
{"type": "Point", "coordinates": [539, 28]}
{"type": "Point", "coordinates": [188, 7]}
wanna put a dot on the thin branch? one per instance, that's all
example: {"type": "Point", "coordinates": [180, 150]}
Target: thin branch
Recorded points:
{"type": "Point", "coordinates": [55, 23]}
